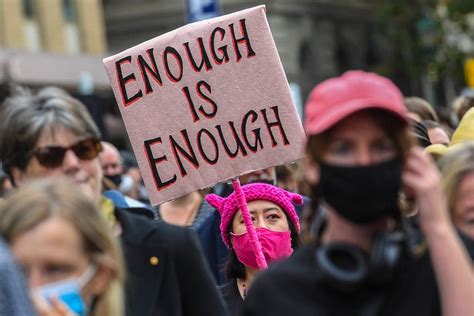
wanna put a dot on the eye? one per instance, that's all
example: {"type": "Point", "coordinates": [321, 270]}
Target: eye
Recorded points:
{"type": "Point", "coordinates": [340, 147]}
{"type": "Point", "coordinates": [273, 216]}
{"type": "Point", "coordinates": [241, 221]}
{"type": "Point", "coordinates": [384, 146]}
{"type": "Point", "coordinates": [56, 270]}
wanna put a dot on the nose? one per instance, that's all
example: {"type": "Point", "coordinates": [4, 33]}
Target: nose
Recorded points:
{"type": "Point", "coordinates": [364, 157]}
{"type": "Point", "coordinates": [108, 170]}
{"type": "Point", "coordinates": [259, 222]}
{"type": "Point", "coordinates": [34, 279]}
{"type": "Point", "coordinates": [71, 162]}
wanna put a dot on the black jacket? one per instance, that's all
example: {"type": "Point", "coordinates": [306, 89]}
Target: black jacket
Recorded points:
{"type": "Point", "coordinates": [166, 272]}
{"type": "Point", "coordinates": [297, 287]}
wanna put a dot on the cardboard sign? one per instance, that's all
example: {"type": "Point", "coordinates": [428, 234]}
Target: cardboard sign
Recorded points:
{"type": "Point", "coordinates": [206, 103]}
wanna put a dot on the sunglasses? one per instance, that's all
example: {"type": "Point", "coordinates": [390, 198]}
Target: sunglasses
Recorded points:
{"type": "Point", "coordinates": [53, 156]}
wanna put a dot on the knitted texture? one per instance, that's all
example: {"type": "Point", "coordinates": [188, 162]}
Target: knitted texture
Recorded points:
{"type": "Point", "coordinates": [228, 206]}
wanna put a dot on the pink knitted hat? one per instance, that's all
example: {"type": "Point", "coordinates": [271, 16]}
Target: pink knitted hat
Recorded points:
{"type": "Point", "coordinates": [228, 206]}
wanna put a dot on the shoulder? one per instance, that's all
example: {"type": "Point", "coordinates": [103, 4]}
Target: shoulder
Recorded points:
{"type": "Point", "coordinates": [295, 269]}
{"type": "Point", "coordinates": [139, 227]}
{"type": "Point", "coordinates": [228, 288]}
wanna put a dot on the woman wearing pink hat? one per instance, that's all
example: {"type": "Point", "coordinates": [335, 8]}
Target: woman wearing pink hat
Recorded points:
{"type": "Point", "coordinates": [368, 258]}
{"type": "Point", "coordinates": [276, 224]}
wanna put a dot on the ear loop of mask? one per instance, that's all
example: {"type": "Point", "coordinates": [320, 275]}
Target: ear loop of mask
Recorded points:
{"type": "Point", "coordinates": [87, 275]}
{"type": "Point", "coordinates": [83, 280]}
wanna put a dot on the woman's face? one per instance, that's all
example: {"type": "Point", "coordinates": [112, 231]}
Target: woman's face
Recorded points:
{"type": "Point", "coordinates": [463, 213]}
{"type": "Point", "coordinates": [264, 214]}
{"type": "Point", "coordinates": [52, 251]}
{"type": "Point", "coordinates": [359, 141]}
{"type": "Point", "coordinates": [86, 173]}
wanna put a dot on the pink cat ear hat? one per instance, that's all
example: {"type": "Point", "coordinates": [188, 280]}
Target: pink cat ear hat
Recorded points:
{"type": "Point", "coordinates": [228, 206]}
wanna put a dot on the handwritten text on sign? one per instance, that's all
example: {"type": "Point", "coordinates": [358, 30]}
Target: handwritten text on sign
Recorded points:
{"type": "Point", "coordinates": [205, 103]}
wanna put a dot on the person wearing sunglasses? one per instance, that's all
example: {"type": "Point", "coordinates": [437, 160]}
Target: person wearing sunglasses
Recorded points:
{"type": "Point", "coordinates": [51, 134]}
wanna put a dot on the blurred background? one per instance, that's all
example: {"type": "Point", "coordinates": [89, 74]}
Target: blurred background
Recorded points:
{"type": "Point", "coordinates": [425, 46]}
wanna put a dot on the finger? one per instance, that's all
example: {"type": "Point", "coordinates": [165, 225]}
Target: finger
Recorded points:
{"type": "Point", "coordinates": [419, 160]}
{"type": "Point", "coordinates": [40, 304]}
{"type": "Point", "coordinates": [60, 307]}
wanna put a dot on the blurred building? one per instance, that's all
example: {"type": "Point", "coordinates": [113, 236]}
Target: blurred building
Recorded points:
{"type": "Point", "coordinates": [316, 39]}
{"type": "Point", "coordinates": [60, 42]}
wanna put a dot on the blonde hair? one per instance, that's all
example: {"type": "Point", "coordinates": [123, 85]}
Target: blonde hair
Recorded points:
{"type": "Point", "coordinates": [455, 165]}
{"type": "Point", "coordinates": [40, 200]}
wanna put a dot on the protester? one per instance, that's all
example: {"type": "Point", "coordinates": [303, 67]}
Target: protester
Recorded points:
{"type": "Point", "coordinates": [419, 109]}
{"type": "Point", "coordinates": [51, 134]}
{"type": "Point", "coordinates": [208, 230]}
{"type": "Point", "coordinates": [70, 258]}
{"type": "Point", "coordinates": [277, 227]}
{"type": "Point", "coordinates": [457, 168]}
{"type": "Point", "coordinates": [111, 163]}
{"type": "Point", "coordinates": [131, 169]}
{"type": "Point", "coordinates": [461, 105]}
{"type": "Point", "coordinates": [359, 158]}
{"type": "Point", "coordinates": [437, 133]}
{"type": "Point", "coordinates": [463, 133]}
{"type": "Point", "coordinates": [113, 170]}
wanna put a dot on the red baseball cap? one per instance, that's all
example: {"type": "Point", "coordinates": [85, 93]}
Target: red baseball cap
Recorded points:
{"type": "Point", "coordinates": [336, 98]}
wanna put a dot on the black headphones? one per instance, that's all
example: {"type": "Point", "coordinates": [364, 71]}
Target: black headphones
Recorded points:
{"type": "Point", "coordinates": [346, 266]}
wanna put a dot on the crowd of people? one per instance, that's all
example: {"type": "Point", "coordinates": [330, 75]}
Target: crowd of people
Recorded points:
{"type": "Point", "coordinates": [376, 219]}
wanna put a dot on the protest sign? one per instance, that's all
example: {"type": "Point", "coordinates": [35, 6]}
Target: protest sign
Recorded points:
{"type": "Point", "coordinates": [205, 103]}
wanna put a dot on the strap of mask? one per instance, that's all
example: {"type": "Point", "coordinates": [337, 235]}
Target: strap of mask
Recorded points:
{"type": "Point", "coordinates": [87, 275]}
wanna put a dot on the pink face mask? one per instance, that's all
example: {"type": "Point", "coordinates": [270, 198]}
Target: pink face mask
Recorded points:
{"type": "Point", "coordinates": [275, 246]}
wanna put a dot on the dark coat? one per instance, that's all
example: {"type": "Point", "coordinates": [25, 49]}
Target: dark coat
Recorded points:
{"type": "Point", "coordinates": [166, 272]}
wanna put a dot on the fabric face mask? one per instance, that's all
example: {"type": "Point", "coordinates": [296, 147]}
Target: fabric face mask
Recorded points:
{"type": "Point", "coordinates": [116, 179]}
{"type": "Point", "coordinates": [68, 291]}
{"type": "Point", "coordinates": [362, 194]}
{"type": "Point", "coordinates": [275, 246]}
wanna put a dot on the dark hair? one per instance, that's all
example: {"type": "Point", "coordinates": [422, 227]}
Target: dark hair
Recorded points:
{"type": "Point", "coordinates": [234, 269]}
{"type": "Point", "coordinates": [420, 132]}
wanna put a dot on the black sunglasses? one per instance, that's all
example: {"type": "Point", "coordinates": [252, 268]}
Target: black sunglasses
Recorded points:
{"type": "Point", "coordinates": [53, 156]}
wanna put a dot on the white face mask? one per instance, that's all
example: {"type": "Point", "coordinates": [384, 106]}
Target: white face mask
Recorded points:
{"type": "Point", "coordinates": [69, 291]}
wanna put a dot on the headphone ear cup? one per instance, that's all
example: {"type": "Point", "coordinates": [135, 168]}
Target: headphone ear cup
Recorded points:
{"type": "Point", "coordinates": [384, 256]}
{"type": "Point", "coordinates": [343, 266]}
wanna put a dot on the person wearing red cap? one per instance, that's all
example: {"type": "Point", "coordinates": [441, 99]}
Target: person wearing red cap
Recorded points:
{"type": "Point", "coordinates": [368, 258]}
{"type": "Point", "coordinates": [277, 227]}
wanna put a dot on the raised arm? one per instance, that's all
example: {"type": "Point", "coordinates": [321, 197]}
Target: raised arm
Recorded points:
{"type": "Point", "coordinates": [451, 263]}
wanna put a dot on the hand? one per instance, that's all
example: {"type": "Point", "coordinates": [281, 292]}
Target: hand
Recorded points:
{"type": "Point", "coordinates": [55, 308]}
{"type": "Point", "coordinates": [423, 180]}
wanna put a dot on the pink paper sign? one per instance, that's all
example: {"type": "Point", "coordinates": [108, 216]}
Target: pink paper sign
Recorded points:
{"type": "Point", "coordinates": [205, 103]}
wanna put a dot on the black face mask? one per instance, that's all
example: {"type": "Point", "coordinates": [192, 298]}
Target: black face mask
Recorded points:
{"type": "Point", "coordinates": [362, 194]}
{"type": "Point", "coordinates": [116, 179]}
